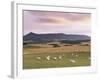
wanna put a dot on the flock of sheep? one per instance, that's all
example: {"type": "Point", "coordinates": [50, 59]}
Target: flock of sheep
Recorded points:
{"type": "Point", "coordinates": [59, 57]}
{"type": "Point", "coordinates": [49, 57]}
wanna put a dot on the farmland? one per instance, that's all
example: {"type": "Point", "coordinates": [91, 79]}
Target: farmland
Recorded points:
{"type": "Point", "coordinates": [53, 55]}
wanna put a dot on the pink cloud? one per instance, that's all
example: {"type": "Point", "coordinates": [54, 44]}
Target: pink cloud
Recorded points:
{"type": "Point", "coordinates": [48, 21]}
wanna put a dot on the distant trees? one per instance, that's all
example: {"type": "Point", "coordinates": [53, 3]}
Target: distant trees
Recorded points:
{"type": "Point", "coordinates": [55, 45]}
{"type": "Point", "coordinates": [74, 42]}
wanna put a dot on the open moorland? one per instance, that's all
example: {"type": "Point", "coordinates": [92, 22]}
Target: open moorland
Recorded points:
{"type": "Point", "coordinates": [55, 54]}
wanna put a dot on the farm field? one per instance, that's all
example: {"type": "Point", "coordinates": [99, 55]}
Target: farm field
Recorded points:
{"type": "Point", "coordinates": [46, 56]}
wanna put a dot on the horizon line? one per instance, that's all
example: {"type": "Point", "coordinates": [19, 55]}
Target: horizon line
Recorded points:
{"type": "Point", "coordinates": [56, 33]}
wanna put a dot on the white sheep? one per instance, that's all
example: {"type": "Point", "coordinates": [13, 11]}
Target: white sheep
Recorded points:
{"type": "Point", "coordinates": [77, 55]}
{"type": "Point", "coordinates": [54, 58]}
{"type": "Point", "coordinates": [72, 54]}
{"type": "Point", "coordinates": [39, 58]}
{"type": "Point", "coordinates": [60, 57]}
{"type": "Point", "coordinates": [48, 58]}
{"type": "Point", "coordinates": [73, 61]}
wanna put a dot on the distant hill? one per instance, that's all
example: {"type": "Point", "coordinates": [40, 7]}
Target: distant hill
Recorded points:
{"type": "Point", "coordinates": [42, 38]}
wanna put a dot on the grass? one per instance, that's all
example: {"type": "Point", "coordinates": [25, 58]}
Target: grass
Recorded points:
{"type": "Point", "coordinates": [37, 57]}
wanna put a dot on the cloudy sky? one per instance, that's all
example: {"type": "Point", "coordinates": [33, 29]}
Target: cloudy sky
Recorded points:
{"type": "Point", "coordinates": [56, 22]}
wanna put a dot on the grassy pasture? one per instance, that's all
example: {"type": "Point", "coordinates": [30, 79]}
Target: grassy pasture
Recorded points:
{"type": "Point", "coordinates": [35, 56]}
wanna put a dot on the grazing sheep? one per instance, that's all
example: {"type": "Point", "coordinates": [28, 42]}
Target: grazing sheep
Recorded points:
{"type": "Point", "coordinates": [73, 61]}
{"type": "Point", "coordinates": [55, 58]}
{"type": "Point", "coordinates": [60, 57]}
{"type": "Point", "coordinates": [77, 55]}
{"type": "Point", "coordinates": [39, 58]}
{"type": "Point", "coordinates": [48, 58]}
{"type": "Point", "coordinates": [72, 54]}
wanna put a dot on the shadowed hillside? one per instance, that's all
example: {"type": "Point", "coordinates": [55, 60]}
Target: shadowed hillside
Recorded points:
{"type": "Point", "coordinates": [60, 37]}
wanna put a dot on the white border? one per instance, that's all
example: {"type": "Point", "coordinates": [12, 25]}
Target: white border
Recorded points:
{"type": "Point", "coordinates": [17, 52]}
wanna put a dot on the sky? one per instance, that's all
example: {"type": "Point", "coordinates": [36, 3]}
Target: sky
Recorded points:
{"type": "Point", "coordinates": [43, 22]}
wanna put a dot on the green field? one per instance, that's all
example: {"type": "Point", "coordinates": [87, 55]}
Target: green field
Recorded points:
{"type": "Point", "coordinates": [50, 57]}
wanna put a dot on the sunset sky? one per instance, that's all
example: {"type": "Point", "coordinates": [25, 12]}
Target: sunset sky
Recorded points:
{"type": "Point", "coordinates": [56, 22]}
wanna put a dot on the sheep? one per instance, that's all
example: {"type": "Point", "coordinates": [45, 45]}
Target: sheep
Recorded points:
{"type": "Point", "coordinates": [48, 58]}
{"type": "Point", "coordinates": [39, 58]}
{"type": "Point", "coordinates": [76, 55]}
{"type": "Point", "coordinates": [73, 61]}
{"type": "Point", "coordinates": [72, 54]}
{"type": "Point", "coordinates": [54, 58]}
{"type": "Point", "coordinates": [60, 57]}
